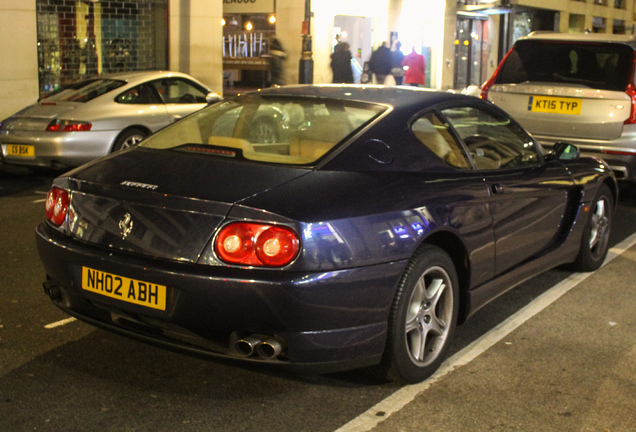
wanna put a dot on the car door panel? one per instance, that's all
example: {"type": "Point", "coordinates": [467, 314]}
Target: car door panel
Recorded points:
{"type": "Point", "coordinates": [528, 207]}
{"type": "Point", "coordinates": [528, 195]}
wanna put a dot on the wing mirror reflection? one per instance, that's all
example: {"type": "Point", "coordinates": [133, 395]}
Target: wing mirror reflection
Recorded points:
{"type": "Point", "coordinates": [565, 152]}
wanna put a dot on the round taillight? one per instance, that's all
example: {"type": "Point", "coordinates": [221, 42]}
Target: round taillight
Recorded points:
{"type": "Point", "coordinates": [235, 243]}
{"type": "Point", "coordinates": [276, 246]}
{"type": "Point", "coordinates": [56, 207]}
{"type": "Point", "coordinates": [257, 244]}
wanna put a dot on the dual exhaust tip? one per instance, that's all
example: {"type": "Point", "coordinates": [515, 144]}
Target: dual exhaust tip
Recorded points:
{"type": "Point", "coordinates": [264, 346]}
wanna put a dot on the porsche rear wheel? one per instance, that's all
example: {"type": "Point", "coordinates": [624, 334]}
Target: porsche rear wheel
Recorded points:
{"type": "Point", "coordinates": [595, 240]}
{"type": "Point", "coordinates": [129, 138]}
{"type": "Point", "coordinates": [423, 317]}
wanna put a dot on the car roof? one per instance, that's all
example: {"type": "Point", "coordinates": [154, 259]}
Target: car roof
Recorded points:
{"type": "Point", "coordinates": [396, 96]}
{"type": "Point", "coordinates": [582, 37]}
{"type": "Point", "coordinates": [142, 76]}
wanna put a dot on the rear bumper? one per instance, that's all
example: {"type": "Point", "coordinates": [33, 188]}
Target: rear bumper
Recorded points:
{"type": "Point", "coordinates": [619, 154]}
{"type": "Point", "coordinates": [326, 321]}
{"type": "Point", "coordinates": [57, 149]}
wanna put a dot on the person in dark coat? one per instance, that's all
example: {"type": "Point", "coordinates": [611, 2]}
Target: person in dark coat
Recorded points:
{"type": "Point", "coordinates": [397, 57]}
{"type": "Point", "coordinates": [277, 57]}
{"type": "Point", "coordinates": [380, 63]}
{"type": "Point", "coordinates": [341, 64]}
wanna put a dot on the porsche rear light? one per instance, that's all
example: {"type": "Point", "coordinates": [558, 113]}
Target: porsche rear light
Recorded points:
{"type": "Point", "coordinates": [257, 244]}
{"type": "Point", "coordinates": [68, 126]}
{"type": "Point", "coordinates": [56, 206]}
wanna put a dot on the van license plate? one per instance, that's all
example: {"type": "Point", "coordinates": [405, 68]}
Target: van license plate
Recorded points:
{"type": "Point", "coordinates": [555, 105]}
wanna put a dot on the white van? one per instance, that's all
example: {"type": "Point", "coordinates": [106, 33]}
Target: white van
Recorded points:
{"type": "Point", "coordinates": [577, 88]}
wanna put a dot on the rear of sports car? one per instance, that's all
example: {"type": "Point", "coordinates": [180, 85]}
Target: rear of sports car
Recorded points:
{"type": "Point", "coordinates": [160, 244]}
{"type": "Point", "coordinates": [578, 89]}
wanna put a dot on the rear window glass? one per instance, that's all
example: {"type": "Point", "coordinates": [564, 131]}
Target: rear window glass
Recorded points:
{"type": "Point", "coordinates": [283, 130]}
{"type": "Point", "coordinates": [85, 91]}
{"type": "Point", "coordinates": [596, 65]}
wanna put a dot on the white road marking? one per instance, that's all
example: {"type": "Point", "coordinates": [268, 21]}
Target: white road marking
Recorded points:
{"type": "Point", "coordinates": [38, 201]}
{"type": "Point", "coordinates": [398, 400]}
{"type": "Point", "coordinates": [60, 323]}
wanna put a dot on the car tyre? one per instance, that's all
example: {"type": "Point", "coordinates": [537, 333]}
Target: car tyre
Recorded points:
{"type": "Point", "coordinates": [595, 240]}
{"type": "Point", "coordinates": [129, 138]}
{"type": "Point", "coordinates": [422, 319]}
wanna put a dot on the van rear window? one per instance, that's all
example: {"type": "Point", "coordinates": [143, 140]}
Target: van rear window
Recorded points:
{"type": "Point", "coordinates": [601, 66]}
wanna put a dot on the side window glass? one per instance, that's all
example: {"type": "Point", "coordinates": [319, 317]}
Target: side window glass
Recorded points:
{"type": "Point", "coordinates": [178, 91]}
{"type": "Point", "coordinates": [140, 95]}
{"type": "Point", "coordinates": [493, 140]}
{"type": "Point", "coordinates": [435, 135]}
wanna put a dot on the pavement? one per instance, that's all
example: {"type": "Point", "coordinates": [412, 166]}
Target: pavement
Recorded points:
{"type": "Point", "coordinates": [569, 367]}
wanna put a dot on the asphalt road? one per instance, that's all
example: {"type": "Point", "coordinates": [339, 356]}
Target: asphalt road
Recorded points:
{"type": "Point", "coordinates": [525, 362]}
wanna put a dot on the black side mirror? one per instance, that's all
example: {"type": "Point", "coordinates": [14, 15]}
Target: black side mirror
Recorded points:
{"type": "Point", "coordinates": [565, 152]}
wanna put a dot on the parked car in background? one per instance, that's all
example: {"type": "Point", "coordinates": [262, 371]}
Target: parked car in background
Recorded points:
{"type": "Point", "coordinates": [97, 116]}
{"type": "Point", "coordinates": [360, 232]}
{"type": "Point", "coordinates": [577, 88]}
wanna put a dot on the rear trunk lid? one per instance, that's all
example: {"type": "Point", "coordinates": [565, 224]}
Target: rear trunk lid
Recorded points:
{"type": "Point", "coordinates": [564, 111]}
{"type": "Point", "coordinates": [162, 203]}
{"type": "Point", "coordinates": [566, 88]}
{"type": "Point", "coordinates": [37, 117]}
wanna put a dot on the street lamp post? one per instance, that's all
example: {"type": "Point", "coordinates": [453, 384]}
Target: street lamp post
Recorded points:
{"type": "Point", "coordinates": [306, 64]}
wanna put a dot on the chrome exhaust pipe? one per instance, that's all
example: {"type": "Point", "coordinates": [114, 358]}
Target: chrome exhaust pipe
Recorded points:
{"type": "Point", "coordinates": [246, 346]}
{"type": "Point", "coordinates": [269, 349]}
{"type": "Point", "coordinates": [52, 289]}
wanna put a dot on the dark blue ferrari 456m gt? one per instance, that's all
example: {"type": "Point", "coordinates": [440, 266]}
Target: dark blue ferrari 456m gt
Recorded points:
{"type": "Point", "coordinates": [320, 228]}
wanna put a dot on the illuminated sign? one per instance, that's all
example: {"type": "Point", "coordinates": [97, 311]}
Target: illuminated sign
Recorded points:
{"type": "Point", "coordinates": [248, 6]}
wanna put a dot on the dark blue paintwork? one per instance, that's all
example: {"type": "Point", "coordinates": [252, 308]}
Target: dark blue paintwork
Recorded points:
{"type": "Point", "coordinates": [362, 210]}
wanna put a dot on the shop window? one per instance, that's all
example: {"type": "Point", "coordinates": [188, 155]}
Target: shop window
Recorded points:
{"type": "Point", "coordinates": [577, 23]}
{"type": "Point", "coordinates": [246, 45]}
{"type": "Point", "coordinates": [78, 40]}
{"type": "Point", "coordinates": [598, 25]}
{"type": "Point", "coordinates": [618, 27]}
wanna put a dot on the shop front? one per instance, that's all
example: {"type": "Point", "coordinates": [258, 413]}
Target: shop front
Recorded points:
{"type": "Point", "coordinates": [80, 39]}
{"type": "Point", "coordinates": [249, 33]}
{"type": "Point", "coordinates": [485, 32]}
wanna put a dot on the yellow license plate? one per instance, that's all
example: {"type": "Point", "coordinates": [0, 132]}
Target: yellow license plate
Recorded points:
{"type": "Point", "coordinates": [129, 290]}
{"type": "Point", "coordinates": [556, 105]}
{"type": "Point", "coordinates": [20, 150]}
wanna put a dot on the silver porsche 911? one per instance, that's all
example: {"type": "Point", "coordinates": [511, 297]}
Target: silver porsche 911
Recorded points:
{"type": "Point", "coordinates": [97, 116]}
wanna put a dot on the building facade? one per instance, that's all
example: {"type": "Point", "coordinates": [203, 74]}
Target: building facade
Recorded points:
{"type": "Point", "coordinates": [50, 43]}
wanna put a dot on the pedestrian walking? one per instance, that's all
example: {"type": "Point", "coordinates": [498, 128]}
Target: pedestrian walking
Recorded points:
{"type": "Point", "coordinates": [397, 57]}
{"type": "Point", "coordinates": [341, 64]}
{"type": "Point", "coordinates": [380, 63]}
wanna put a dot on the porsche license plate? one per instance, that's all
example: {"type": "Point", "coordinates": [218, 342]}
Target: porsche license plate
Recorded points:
{"type": "Point", "coordinates": [555, 105]}
{"type": "Point", "coordinates": [129, 290]}
{"type": "Point", "coordinates": [20, 150]}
